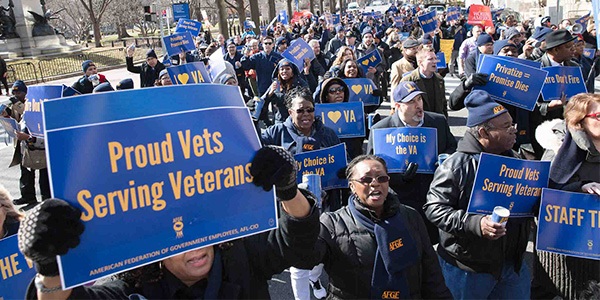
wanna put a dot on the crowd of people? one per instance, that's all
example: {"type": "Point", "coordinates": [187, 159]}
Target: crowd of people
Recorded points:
{"type": "Point", "coordinates": [475, 257]}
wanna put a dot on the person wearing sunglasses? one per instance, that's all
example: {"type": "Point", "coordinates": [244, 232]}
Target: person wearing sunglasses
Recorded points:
{"type": "Point", "coordinates": [575, 168]}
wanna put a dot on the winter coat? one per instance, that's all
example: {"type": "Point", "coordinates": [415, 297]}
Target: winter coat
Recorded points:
{"type": "Point", "coordinates": [437, 104]}
{"type": "Point", "coordinates": [287, 136]}
{"type": "Point", "coordinates": [278, 96]}
{"type": "Point", "coordinates": [264, 65]}
{"type": "Point", "coordinates": [147, 75]}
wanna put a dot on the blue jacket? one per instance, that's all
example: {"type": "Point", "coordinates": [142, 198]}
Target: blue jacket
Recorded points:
{"type": "Point", "coordinates": [287, 136]}
{"type": "Point", "coordinates": [264, 65]}
{"type": "Point", "coordinates": [278, 96]}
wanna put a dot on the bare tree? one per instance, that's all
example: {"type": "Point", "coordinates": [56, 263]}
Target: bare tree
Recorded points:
{"type": "Point", "coordinates": [95, 10]}
{"type": "Point", "coordinates": [71, 20]}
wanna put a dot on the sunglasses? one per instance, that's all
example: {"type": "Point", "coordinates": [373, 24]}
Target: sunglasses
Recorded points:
{"type": "Point", "coordinates": [335, 90]}
{"type": "Point", "coordinates": [595, 115]}
{"type": "Point", "coordinates": [268, 43]}
{"type": "Point", "coordinates": [369, 179]}
{"type": "Point", "coordinates": [303, 110]}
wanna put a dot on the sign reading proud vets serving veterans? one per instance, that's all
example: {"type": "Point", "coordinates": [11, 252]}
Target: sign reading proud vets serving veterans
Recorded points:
{"type": "Point", "coordinates": [325, 162]}
{"type": "Point", "coordinates": [428, 21]}
{"type": "Point", "coordinates": [179, 42]}
{"type": "Point", "coordinates": [154, 181]}
{"type": "Point", "coordinates": [371, 59]}
{"type": "Point", "coordinates": [569, 224]}
{"type": "Point", "coordinates": [361, 89]}
{"type": "Point", "coordinates": [298, 51]}
{"type": "Point", "coordinates": [512, 82]}
{"type": "Point", "coordinates": [402, 145]}
{"type": "Point", "coordinates": [508, 182]}
{"type": "Point", "coordinates": [347, 119]}
{"type": "Point", "coordinates": [441, 63]}
{"type": "Point", "coordinates": [33, 106]}
{"type": "Point", "coordinates": [453, 13]}
{"type": "Point", "coordinates": [194, 27]}
{"type": "Point", "coordinates": [16, 271]}
{"type": "Point", "coordinates": [480, 15]}
{"type": "Point", "coordinates": [563, 80]}
{"type": "Point", "coordinates": [589, 53]}
{"type": "Point", "coordinates": [189, 73]}
{"type": "Point", "coordinates": [10, 126]}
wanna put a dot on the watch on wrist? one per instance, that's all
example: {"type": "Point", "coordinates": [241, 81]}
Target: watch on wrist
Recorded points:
{"type": "Point", "coordinates": [39, 285]}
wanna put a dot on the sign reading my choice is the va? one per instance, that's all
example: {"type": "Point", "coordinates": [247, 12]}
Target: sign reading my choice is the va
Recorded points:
{"type": "Point", "coordinates": [15, 271]}
{"type": "Point", "coordinates": [347, 119]}
{"type": "Point", "coordinates": [513, 183]}
{"type": "Point", "coordinates": [325, 162]}
{"type": "Point", "coordinates": [569, 224]}
{"type": "Point", "coordinates": [402, 145]}
{"type": "Point", "coordinates": [155, 181]}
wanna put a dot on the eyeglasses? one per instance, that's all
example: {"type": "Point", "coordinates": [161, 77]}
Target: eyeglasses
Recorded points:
{"type": "Point", "coordinates": [508, 129]}
{"type": "Point", "coordinates": [303, 110]}
{"type": "Point", "coordinates": [595, 115]}
{"type": "Point", "coordinates": [369, 179]}
{"type": "Point", "coordinates": [267, 43]}
{"type": "Point", "coordinates": [333, 90]}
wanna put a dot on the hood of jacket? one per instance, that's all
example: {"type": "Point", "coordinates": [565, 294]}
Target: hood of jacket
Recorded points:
{"type": "Point", "coordinates": [321, 92]}
{"type": "Point", "coordinates": [283, 62]}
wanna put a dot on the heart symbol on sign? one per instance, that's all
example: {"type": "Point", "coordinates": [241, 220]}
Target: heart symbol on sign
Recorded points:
{"type": "Point", "coordinates": [183, 78]}
{"type": "Point", "coordinates": [365, 62]}
{"type": "Point", "coordinates": [334, 116]}
{"type": "Point", "coordinates": [356, 88]}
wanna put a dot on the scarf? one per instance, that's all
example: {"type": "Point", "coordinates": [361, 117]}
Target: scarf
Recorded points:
{"type": "Point", "coordinates": [396, 251]}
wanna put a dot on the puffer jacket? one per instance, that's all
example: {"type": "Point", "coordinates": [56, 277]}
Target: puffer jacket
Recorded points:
{"type": "Point", "coordinates": [278, 96]}
{"type": "Point", "coordinates": [461, 243]}
{"type": "Point", "coordinates": [287, 136]}
{"type": "Point", "coordinates": [348, 251]}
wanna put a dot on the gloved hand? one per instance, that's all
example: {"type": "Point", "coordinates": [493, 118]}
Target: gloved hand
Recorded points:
{"type": "Point", "coordinates": [50, 229]}
{"type": "Point", "coordinates": [275, 166]}
{"type": "Point", "coordinates": [411, 171]}
{"type": "Point", "coordinates": [476, 79]}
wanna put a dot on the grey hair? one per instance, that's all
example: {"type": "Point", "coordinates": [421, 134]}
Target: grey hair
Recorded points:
{"type": "Point", "coordinates": [475, 129]}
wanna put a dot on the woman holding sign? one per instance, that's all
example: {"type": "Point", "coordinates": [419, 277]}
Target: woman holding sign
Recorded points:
{"type": "Point", "coordinates": [575, 168]}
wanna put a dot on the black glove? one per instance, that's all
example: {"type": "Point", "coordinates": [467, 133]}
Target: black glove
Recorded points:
{"type": "Point", "coordinates": [50, 229]}
{"type": "Point", "coordinates": [476, 79]}
{"type": "Point", "coordinates": [341, 173]}
{"type": "Point", "coordinates": [275, 166]}
{"type": "Point", "coordinates": [411, 171]}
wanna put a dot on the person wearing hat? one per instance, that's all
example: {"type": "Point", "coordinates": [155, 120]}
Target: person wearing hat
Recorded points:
{"type": "Point", "coordinates": [430, 82]}
{"type": "Point", "coordinates": [367, 46]}
{"type": "Point", "coordinates": [407, 63]}
{"type": "Point", "coordinates": [90, 79]}
{"type": "Point", "coordinates": [149, 69]}
{"type": "Point", "coordinates": [468, 46]}
{"type": "Point", "coordinates": [589, 69]}
{"type": "Point", "coordinates": [336, 42]}
{"type": "Point", "coordinates": [535, 46]}
{"type": "Point", "coordinates": [480, 259]}
{"type": "Point", "coordinates": [410, 187]}
{"type": "Point", "coordinates": [281, 44]}
{"type": "Point", "coordinates": [234, 58]}
{"type": "Point", "coordinates": [459, 32]}
{"type": "Point", "coordinates": [351, 40]}
{"type": "Point", "coordinates": [485, 45]}
{"type": "Point", "coordinates": [163, 79]}
{"type": "Point", "coordinates": [545, 22]}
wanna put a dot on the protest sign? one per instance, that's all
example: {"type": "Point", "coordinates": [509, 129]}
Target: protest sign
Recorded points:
{"type": "Point", "coordinates": [563, 80]}
{"type": "Point", "coordinates": [347, 119]}
{"type": "Point", "coordinates": [589, 53]}
{"type": "Point", "coordinates": [154, 181]}
{"type": "Point", "coordinates": [193, 27]}
{"type": "Point", "coordinates": [371, 59]}
{"type": "Point", "coordinates": [283, 17]}
{"type": "Point", "coordinates": [69, 91]}
{"type": "Point", "coordinates": [325, 162]}
{"type": "Point", "coordinates": [480, 15]}
{"type": "Point", "coordinates": [361, 89]}
{"type": "Point", "coordinates": [189, 73]}
{"type": "Point", "coordinates": [508, 182]}
{"type": "Point", "coordinates": [531, 63]}
{"type": "Point", "coordinates": [181, 10]}
{"type": "Point", "coordinates": [428, 21]}
{"type": "Point", "coordinates": [33, 106]}
{"type": "Point", "coordinates": [10, 126]}
{"type": "Point", "coordinates": [569, 223]}
{"type": "Point", "coordinates": [583, 21]}
{"type": "Point", "coordinates": [441, 57]}
{"type": "Point", "coordinates": [16, 271]}
{"type": "Point", "coordinates": [402, 145]}
{"type": "Point", "coordinates": [336, 19]}
{"type": "Point", "coordinates": [298, 51]}
{"type": "Point", "coordinates": [179, 42]}
{"type": "Point", "coordinates": [512, 82]}
{"type": "Point", "coordinates": [453, 13]}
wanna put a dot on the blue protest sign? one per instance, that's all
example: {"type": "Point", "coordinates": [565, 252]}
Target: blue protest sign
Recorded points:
{"type": "Point", "coordinates": [179, 42]}
{"type": "Point", "coordinates": [509, 182]}
{"type": "Point", "coordinates": [10, 126]}
{"type": "Point", "coordinates": [531, 63]}
{"type": "Point", "coordinates": [401, 145]}
{"type": "Point", "coordinates": [404, 35]}
{"type": "Point", "coordinates": [441, 63]}
{"type": "Point", "coordinates": [428, 21]}
{"type": "Point", "coordinates": [69, 91]}
{"type": "Point", "coordinates": [325, 162]}
{"type": "Point", "coordinates": [189, 73]}
{"type": "Point", "coordinates": [154, 181]}
{"type": "Point", "coordinates": [336, 19]}
{"type": "Point", "coordinates": [589, 53]}
{"type": "Point", "coordinates": [371, 59]}
{"type": "Point", "coordinates": [453, 13]}
{"type": "Point", "coordinates": [511, 82]}
{"type": "Point", "coordinates": [361, 89]}
{"type": "Point", "coordinates": [568, 224]}
{"type": "Point", "coordinates": [283, 17]}
{"type": "Point", "coordinates": [347, 119]}
{"type": "Point", "coordinates": [249, 24]}
{"type": "Point", "coordinates": [583, 21]}
{"type": "Point", "coordinates": [17, 272]}
{"type": "Point", "coordinates": [194, 27]}
{"type": "Point", "coordinates": [298, 51]}
{"type": "Point", "coordinates": [596, 14]}
{"type": "Point", "coordinates": [33, 114]}
{"type": "Point", "coordinates": [181, 11]}
{"type": "Point", "coordinates": [563, 80]}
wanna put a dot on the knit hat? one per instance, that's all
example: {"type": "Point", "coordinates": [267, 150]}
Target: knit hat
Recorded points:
{"type": "Point", "coordinates": [150, 53]}
{"type": "Point", "coordinates": [86, 64]}
{"type": "Point", "coordinates": [19, 86]}
{"type": "Point", "coordinates": [280, 40]}
{"type": "Point", "coordinates": [499, 45]}
{"type": "Point", "coordinates": [481, 108]}
{"type": "Point", "coordinates": [125, 84]}
{"type": "Point", "coordinates": [426, 39]}
{"type": "Point", "coordinates": [540, 33]}
{"type": "Point", "coordinates": [410, 43]}
{"type": "Point", "coordinates": [367, 30]}
{"type": "Point", "coordinates": [557, 38]}
{"type": "Point", "coordinates": [511, 32]}
{"type": "Point", "coordinates": [380, 34]}
{"type": "Point", "coordinates": [163, 72]}
{"type": "Point", "coordinates": [339, 28]}
{"type": "Point", "coordinates": [406, 91]}
{"type": "Point", "coordinates": [103, 87]}
{"type": "Point", "coordinates": [483, 39]}
{"type": "Point", "coordinates": [225, 77]}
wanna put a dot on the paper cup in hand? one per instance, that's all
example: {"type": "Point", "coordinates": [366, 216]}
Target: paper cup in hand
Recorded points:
{"type": "Point", "coordinates": [500, 215]}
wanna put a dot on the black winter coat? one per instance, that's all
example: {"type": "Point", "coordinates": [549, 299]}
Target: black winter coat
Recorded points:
{"type": "Point", "coordinates": [147, 76]}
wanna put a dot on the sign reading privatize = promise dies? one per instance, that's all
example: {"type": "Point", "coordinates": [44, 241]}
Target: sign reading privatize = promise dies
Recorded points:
{"type": "Point", "coordinates": [154, 180]}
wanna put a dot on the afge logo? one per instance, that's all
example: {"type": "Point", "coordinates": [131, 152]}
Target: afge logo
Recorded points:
{"type": "Point", "coordinates": [308, 147]}
{"type": "Point", "coordinates": [178, 227]}
{"type": "Point", "coordinates": [409, 87]}
{"type": "Point", "coordinates": [396, 244]}
{"type": "Point", "coordinates": [498, 109]}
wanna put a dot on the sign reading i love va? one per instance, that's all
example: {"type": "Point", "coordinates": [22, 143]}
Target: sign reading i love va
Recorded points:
{"type": "Point", "coordinates": [347, 119]}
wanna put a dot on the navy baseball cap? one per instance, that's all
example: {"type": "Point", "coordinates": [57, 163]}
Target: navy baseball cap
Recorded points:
{"type": "Point", "coordinates": [406, 91]}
